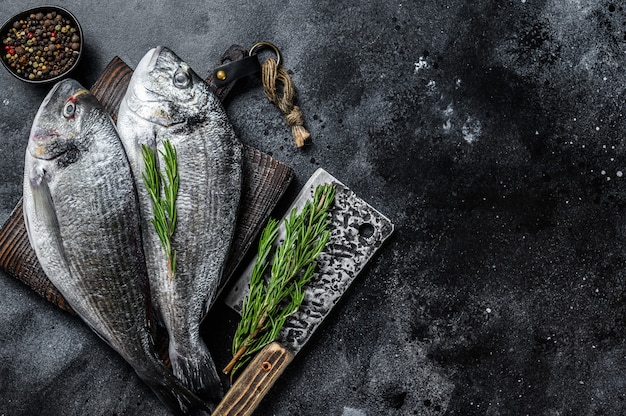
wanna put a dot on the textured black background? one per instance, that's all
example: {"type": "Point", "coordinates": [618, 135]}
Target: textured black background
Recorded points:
{"type": "Point", "coordinates": [490, 132]}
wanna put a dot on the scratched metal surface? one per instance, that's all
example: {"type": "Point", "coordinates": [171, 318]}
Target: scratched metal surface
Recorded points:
{"type": "Point", "coordinates": [358, 230]}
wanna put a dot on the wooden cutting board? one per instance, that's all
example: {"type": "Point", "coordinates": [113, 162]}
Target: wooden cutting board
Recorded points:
{"type": "Point", "coordinates": [265, 180]}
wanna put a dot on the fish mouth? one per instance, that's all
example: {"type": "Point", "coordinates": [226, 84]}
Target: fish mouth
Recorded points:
{"type": "Point", "coordinates": [153, 58]}
{"type": "Point", "coordinates": [140, 92]}
{"type": "Point", "coordinates": [148, 96]}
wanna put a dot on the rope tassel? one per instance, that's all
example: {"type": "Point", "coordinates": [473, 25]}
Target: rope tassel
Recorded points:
{"type": "Point", "coordinates": [273, 73]}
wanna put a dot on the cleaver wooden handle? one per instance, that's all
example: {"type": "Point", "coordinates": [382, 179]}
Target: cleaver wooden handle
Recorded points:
{"type": "Point", "coordinates": [255, 381]}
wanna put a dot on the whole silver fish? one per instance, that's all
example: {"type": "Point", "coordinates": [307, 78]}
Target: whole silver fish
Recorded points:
{"type": "Point", "coordinates": [82, 218]}
{"type": "Point", "coordinates": [166, 100]}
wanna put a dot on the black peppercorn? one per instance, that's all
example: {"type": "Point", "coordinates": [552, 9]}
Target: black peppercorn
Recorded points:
{"type": "Point", "coordinates": [41, 46]}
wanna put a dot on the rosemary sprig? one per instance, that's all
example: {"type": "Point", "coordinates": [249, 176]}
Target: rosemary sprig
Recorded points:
{"type": "Point", "coordinates": [272, 299]}
{"type": "Point", "coordinates": [163, 207]}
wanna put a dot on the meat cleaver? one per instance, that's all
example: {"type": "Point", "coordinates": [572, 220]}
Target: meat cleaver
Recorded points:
{"type": "Point", "coordinates": [357, 232]}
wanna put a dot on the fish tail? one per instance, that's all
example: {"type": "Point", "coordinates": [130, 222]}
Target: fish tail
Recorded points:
{"type": "Point", "coordinates": [197, 371]}
{"type": "Point", "coordinates": [178, 398]}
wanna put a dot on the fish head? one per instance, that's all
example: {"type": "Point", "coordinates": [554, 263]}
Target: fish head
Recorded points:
{"type": "Point", "coordinates": [165, 90]}
{"type": "Point", "coordinates": [59, 127]}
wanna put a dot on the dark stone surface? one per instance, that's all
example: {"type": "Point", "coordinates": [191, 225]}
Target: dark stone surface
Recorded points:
{"type": "Point", "coordinates": [490, 132]}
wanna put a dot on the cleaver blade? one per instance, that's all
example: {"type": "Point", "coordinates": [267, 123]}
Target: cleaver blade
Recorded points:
{"type": "Point", "coordinates": [357, 232]}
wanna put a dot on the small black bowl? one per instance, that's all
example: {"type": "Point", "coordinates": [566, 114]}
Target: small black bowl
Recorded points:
{"type": "Point", "coordinates": [53, 67]}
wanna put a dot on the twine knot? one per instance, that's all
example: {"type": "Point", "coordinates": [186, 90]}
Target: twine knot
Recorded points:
{"type": "Point", "coordinates": [273, 73]}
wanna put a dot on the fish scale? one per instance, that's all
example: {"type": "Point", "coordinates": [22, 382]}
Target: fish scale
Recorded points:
{"type": "Point", "coordinates": [78, 216]}
{"type": "Point", "coordinates": [166, 100]}
{"type": "Point", "coordinates": [82, 219]}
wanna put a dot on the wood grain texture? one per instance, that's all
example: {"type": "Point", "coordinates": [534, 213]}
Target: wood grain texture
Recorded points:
{"type": "Point", "coordinates": [18, 259]}
{"type": "Point", "coordinates": [255, 381]}
{"type": "Point", "coordinates": [265, 181]}
{"type": "Point", "coordinates": [110, 87]}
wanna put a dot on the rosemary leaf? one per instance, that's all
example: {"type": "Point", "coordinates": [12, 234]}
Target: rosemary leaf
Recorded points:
{"type": "Point", "coordinates": [163, 208]}
{"type": "Point", "coordinates": [277, 284]}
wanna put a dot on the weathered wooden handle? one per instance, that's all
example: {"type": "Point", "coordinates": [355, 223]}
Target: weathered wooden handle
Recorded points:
{"type": "Point", "coordinates": [255, 381]}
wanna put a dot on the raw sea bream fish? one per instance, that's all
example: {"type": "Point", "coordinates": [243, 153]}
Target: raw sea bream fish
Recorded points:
{"type": "Point", "coordinates": [167, 101]}
{"type": "Point", "coordinates": [82, 218]}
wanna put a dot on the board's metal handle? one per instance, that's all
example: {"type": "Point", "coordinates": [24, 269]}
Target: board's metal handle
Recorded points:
{"type": "Point", "coordinates": [255, 381]}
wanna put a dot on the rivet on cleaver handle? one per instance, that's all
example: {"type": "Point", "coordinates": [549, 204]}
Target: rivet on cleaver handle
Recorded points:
{"type": "Point", "coordinates": [357, 231]}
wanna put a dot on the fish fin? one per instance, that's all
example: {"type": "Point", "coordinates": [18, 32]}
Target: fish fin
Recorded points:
{"type": "Point", "coordinates": [43, 206]}
{"type": "Point", "coordinates": [178, 398]}
{"type": "Point", "coordinates": [41, 218]}
{"type": "Point", "coordinates": [197, 371]}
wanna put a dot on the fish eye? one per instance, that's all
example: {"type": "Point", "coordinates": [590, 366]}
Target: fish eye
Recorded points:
{"type": "Point", "coordinates": [69, 109]}
{"type": "Point", "coordinates": [181, 78]}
